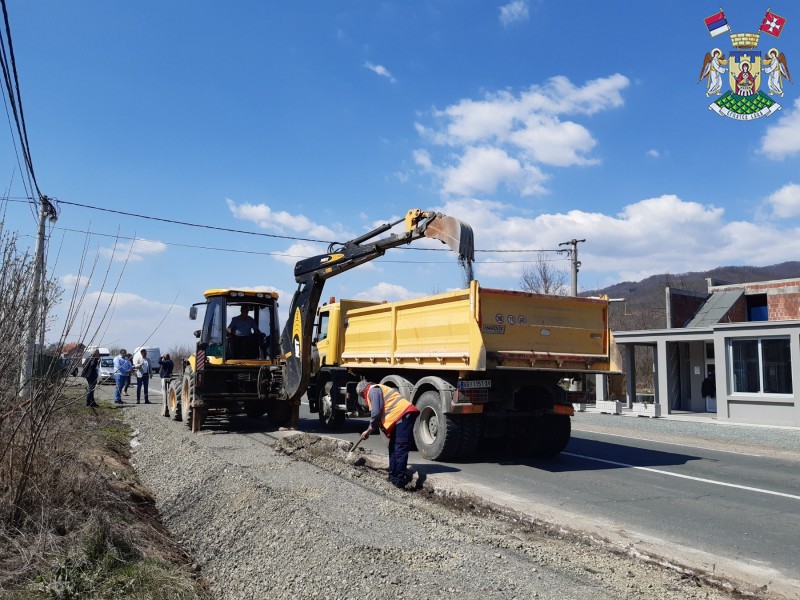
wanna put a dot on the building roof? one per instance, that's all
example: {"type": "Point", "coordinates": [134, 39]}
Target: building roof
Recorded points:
{"type": "Point", "coordinates": [715, 308]}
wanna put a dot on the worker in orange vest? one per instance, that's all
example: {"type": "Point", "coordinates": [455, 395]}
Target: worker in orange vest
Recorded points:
{"type": "Point", "coordinates": [395, 416]}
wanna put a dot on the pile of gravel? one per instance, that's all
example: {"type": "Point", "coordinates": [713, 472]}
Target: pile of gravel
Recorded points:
{"type": "Point", "coordinates": [273, 515]}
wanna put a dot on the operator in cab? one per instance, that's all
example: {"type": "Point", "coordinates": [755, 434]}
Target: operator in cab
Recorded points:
{"type": "Point", "coordinates": [244, 333]}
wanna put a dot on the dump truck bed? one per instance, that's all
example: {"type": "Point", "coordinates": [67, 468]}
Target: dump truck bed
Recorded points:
{"type": "Point", "coordinates": [477, 329]}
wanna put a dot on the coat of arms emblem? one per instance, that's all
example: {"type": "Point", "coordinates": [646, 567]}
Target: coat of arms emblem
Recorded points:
{"type": "Point", "coordinates": [747, 69]}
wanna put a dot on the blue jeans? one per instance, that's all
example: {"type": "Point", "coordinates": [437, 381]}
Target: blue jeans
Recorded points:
{"type": "Point", "coordinates": [119, 379]}
{"type": "Point", "coordinates": [399, 440]}
{"type": "Point", "coordinates": [90, 392]}
{"type": "Point", "coordinates": [144, 380]}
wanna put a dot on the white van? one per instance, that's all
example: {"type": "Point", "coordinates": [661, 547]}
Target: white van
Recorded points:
{"type": "Point", "coordinates": [153, 355]}
{"type": "Point", "coordinates": [106, 369]}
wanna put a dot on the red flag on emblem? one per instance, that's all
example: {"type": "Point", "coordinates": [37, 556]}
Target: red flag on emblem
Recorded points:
{"type": "Point", "coordinates": [772, 24]}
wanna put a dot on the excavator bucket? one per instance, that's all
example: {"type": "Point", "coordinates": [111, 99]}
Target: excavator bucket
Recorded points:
{"type": "Point", "coordinates": [456, 234]}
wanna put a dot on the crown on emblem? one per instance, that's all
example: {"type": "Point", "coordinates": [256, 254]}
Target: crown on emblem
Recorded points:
{"type": "Point", "coordinates": [744, 40]}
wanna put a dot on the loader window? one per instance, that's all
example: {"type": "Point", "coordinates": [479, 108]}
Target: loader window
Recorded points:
{"type": "Point", "coordinates": [250, 331]}
{"type": "Point", "coordinates": [212, 327]}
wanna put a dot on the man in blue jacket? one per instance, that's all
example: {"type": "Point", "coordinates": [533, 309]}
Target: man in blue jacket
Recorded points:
{"type": "Point", "coordinates": [122, 368]}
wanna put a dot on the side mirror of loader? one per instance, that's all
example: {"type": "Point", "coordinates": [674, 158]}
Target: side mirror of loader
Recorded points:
{"type": "Point", "coordinates": [192, 313]}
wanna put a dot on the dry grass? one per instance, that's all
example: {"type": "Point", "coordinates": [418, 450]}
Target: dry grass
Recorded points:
{"type": "Point", "coordinates": [87, 527]}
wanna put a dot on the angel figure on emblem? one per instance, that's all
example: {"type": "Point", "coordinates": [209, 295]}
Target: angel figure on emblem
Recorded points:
{"type": "Point", "coordinates": [777, 70]}
{"type": "Point", "coordinates": [712, 70]}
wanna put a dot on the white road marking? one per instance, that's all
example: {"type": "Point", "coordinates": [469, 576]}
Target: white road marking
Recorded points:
{"type": "Point", "coordinates": [679, 475]}
{"type": "Point", "coordinates": [630, 437]}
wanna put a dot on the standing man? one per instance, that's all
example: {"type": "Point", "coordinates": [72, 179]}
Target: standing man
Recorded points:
{"type": "Point", "coordinates": [122, 370]}
{"type": "Point", "coordinates": [395, 416]}
{"type": "Point", "coordinates": [143, 372]}
{"type": "Point", "coordinates": [165, 373]}
{"type": "Point", "coordinates": [90, 372]}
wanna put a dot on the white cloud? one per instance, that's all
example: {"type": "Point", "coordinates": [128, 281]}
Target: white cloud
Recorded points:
{"type": "Point", "coordinates": [483, 169]}
{"type": "Point", "coordinates": [514, 12]}
{"type": "Point", "coordinates": [519, 132]}
{"type": "Point", "coordinates": [380, 70]}
{"type": "Point", "coordinates": [655, 235]}
{"type": "Point", "coordinates": [390, 292]}
{"type": "Point", "coordinates": [785, 202]}
{"type": "Point", "coordinates": [653, 153]}
{"type": "Point", "coordinates": [133, 251]}
{"type": "Point", "coordinates": [72, 281]}
{"type": "Point", "coordinates": [783, 138]}
{"type": "Point", "coordinates": [284, 223]}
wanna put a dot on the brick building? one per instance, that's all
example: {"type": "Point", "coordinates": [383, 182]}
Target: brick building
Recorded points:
{"type": "Point", "coordinates": [742, 340]}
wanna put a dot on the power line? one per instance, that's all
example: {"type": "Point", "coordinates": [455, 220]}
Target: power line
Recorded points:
{"type": "Point", "coordinates": [273, 235]}
{"type": "Point", "coordinates": [259, 253]}
{"type": "Point", "coordinates": [15, 98]}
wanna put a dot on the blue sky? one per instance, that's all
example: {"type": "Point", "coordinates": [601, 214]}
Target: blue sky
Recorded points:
{"type": "Point", "coordinates": [535, 121]}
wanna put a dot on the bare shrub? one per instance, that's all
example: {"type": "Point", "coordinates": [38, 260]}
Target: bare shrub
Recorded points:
{"type": "Point", "coordinates": [543, 278]}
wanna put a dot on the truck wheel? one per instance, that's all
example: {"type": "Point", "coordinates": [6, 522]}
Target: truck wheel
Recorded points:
{"type": "Point", "coordinates": [470, 435]}
{"type": "Point", "coordinates": [436, 434]}
{"type": "Point", "coordinates": [279, 413]}
{"type": "Point", "coordinates": [187, 394]}
{"type": "Point", "coordinates": [329, 417]}
{"type": "Point", "coordinates": [552, 434]}
{"type": "Point", "coordinates": [527, 438]}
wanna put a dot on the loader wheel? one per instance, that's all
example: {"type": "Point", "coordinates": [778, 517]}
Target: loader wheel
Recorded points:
{"type": "Point", "coordinates": [174, 397]}
{"type": "Point", "coordinates": [187, 395]}
{"type": "Point", "coordinates": [165, 400]}
{"type": "Point", "coordinates": [437, 435]}
{"type": "Point", "coordinates": [255, 410]}
{"type": "Point", "coordinates": [329, 417]}
{"type": "Point", "coordinates": [279, 413]}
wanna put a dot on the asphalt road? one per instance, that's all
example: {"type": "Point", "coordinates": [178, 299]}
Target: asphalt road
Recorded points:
{"type": "Point", "coordinates": [730, 500]}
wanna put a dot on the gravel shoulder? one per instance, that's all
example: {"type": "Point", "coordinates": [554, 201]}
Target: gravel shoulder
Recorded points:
{"type": "Point", "coordinates": [270, 514]}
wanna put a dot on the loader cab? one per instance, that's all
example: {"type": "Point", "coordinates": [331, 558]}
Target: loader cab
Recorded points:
{"type": "Point", "coordinates": [240, 326]}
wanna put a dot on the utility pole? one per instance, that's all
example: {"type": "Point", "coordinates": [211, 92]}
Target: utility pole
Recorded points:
{"type": "Point", "coordinates": [573, 253]}
{"type": "Point", "coordinates": [35, 301]}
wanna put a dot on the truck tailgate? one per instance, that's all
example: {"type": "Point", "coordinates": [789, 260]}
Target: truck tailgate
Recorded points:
{"type": "Point", "coordinates": [522, 329]}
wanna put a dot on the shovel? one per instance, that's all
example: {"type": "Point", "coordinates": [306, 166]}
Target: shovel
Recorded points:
{"type": "Point", "coordinates": [351, 456]}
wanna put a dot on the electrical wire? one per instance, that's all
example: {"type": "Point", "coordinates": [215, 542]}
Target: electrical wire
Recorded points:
{"type": "Point", "coordinates": [276, 236]}
{"type": "Point", "coordinates": [281, 254]}
{"type": "Point", "coordinates": [15, 97]}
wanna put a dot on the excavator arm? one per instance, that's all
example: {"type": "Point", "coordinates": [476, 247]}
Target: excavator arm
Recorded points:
{"type": "Point", "coordinates": [311, 274]}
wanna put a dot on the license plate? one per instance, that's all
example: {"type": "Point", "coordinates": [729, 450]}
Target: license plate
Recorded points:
{"type": "Point", "coordinates": [473, 385]}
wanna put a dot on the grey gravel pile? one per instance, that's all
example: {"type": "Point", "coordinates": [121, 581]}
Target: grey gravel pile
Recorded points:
{"type": "Point", "coordinates": [271, 517]}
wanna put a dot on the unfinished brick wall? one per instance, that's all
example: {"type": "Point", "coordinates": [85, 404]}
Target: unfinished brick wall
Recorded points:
{"type": "Point", "coordinates": [683, 307]}
{"type": "Point", "coordinates": [783, 299]}
{"type": "Point", "coordinates": [737, 312]}
{"type": "Point", "coordinates": [783, 307]}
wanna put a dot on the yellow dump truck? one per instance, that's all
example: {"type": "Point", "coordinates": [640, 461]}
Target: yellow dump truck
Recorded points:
{"type": "Point", "coordinates": [478, 363]}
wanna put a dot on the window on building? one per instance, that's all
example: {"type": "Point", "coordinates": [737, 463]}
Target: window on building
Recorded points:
{"type": "Point", "coordinates": [761, 366]}
{"type": "Point", "coordinates": [757, 307]}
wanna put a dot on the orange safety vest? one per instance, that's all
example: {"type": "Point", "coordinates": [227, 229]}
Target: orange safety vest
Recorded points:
{"type": "Point", "coordinates": [394, 407]}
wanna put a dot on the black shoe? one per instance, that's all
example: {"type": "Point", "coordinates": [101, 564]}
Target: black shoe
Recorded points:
{"type": "Point", "coordinates": [137, 402]}
{"type": "Point", "coordinates": [94, 405]}
{"type": "Point", "coordinates": [147, 402]}
{"type": "Point", "coordinates": [118, 402]}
